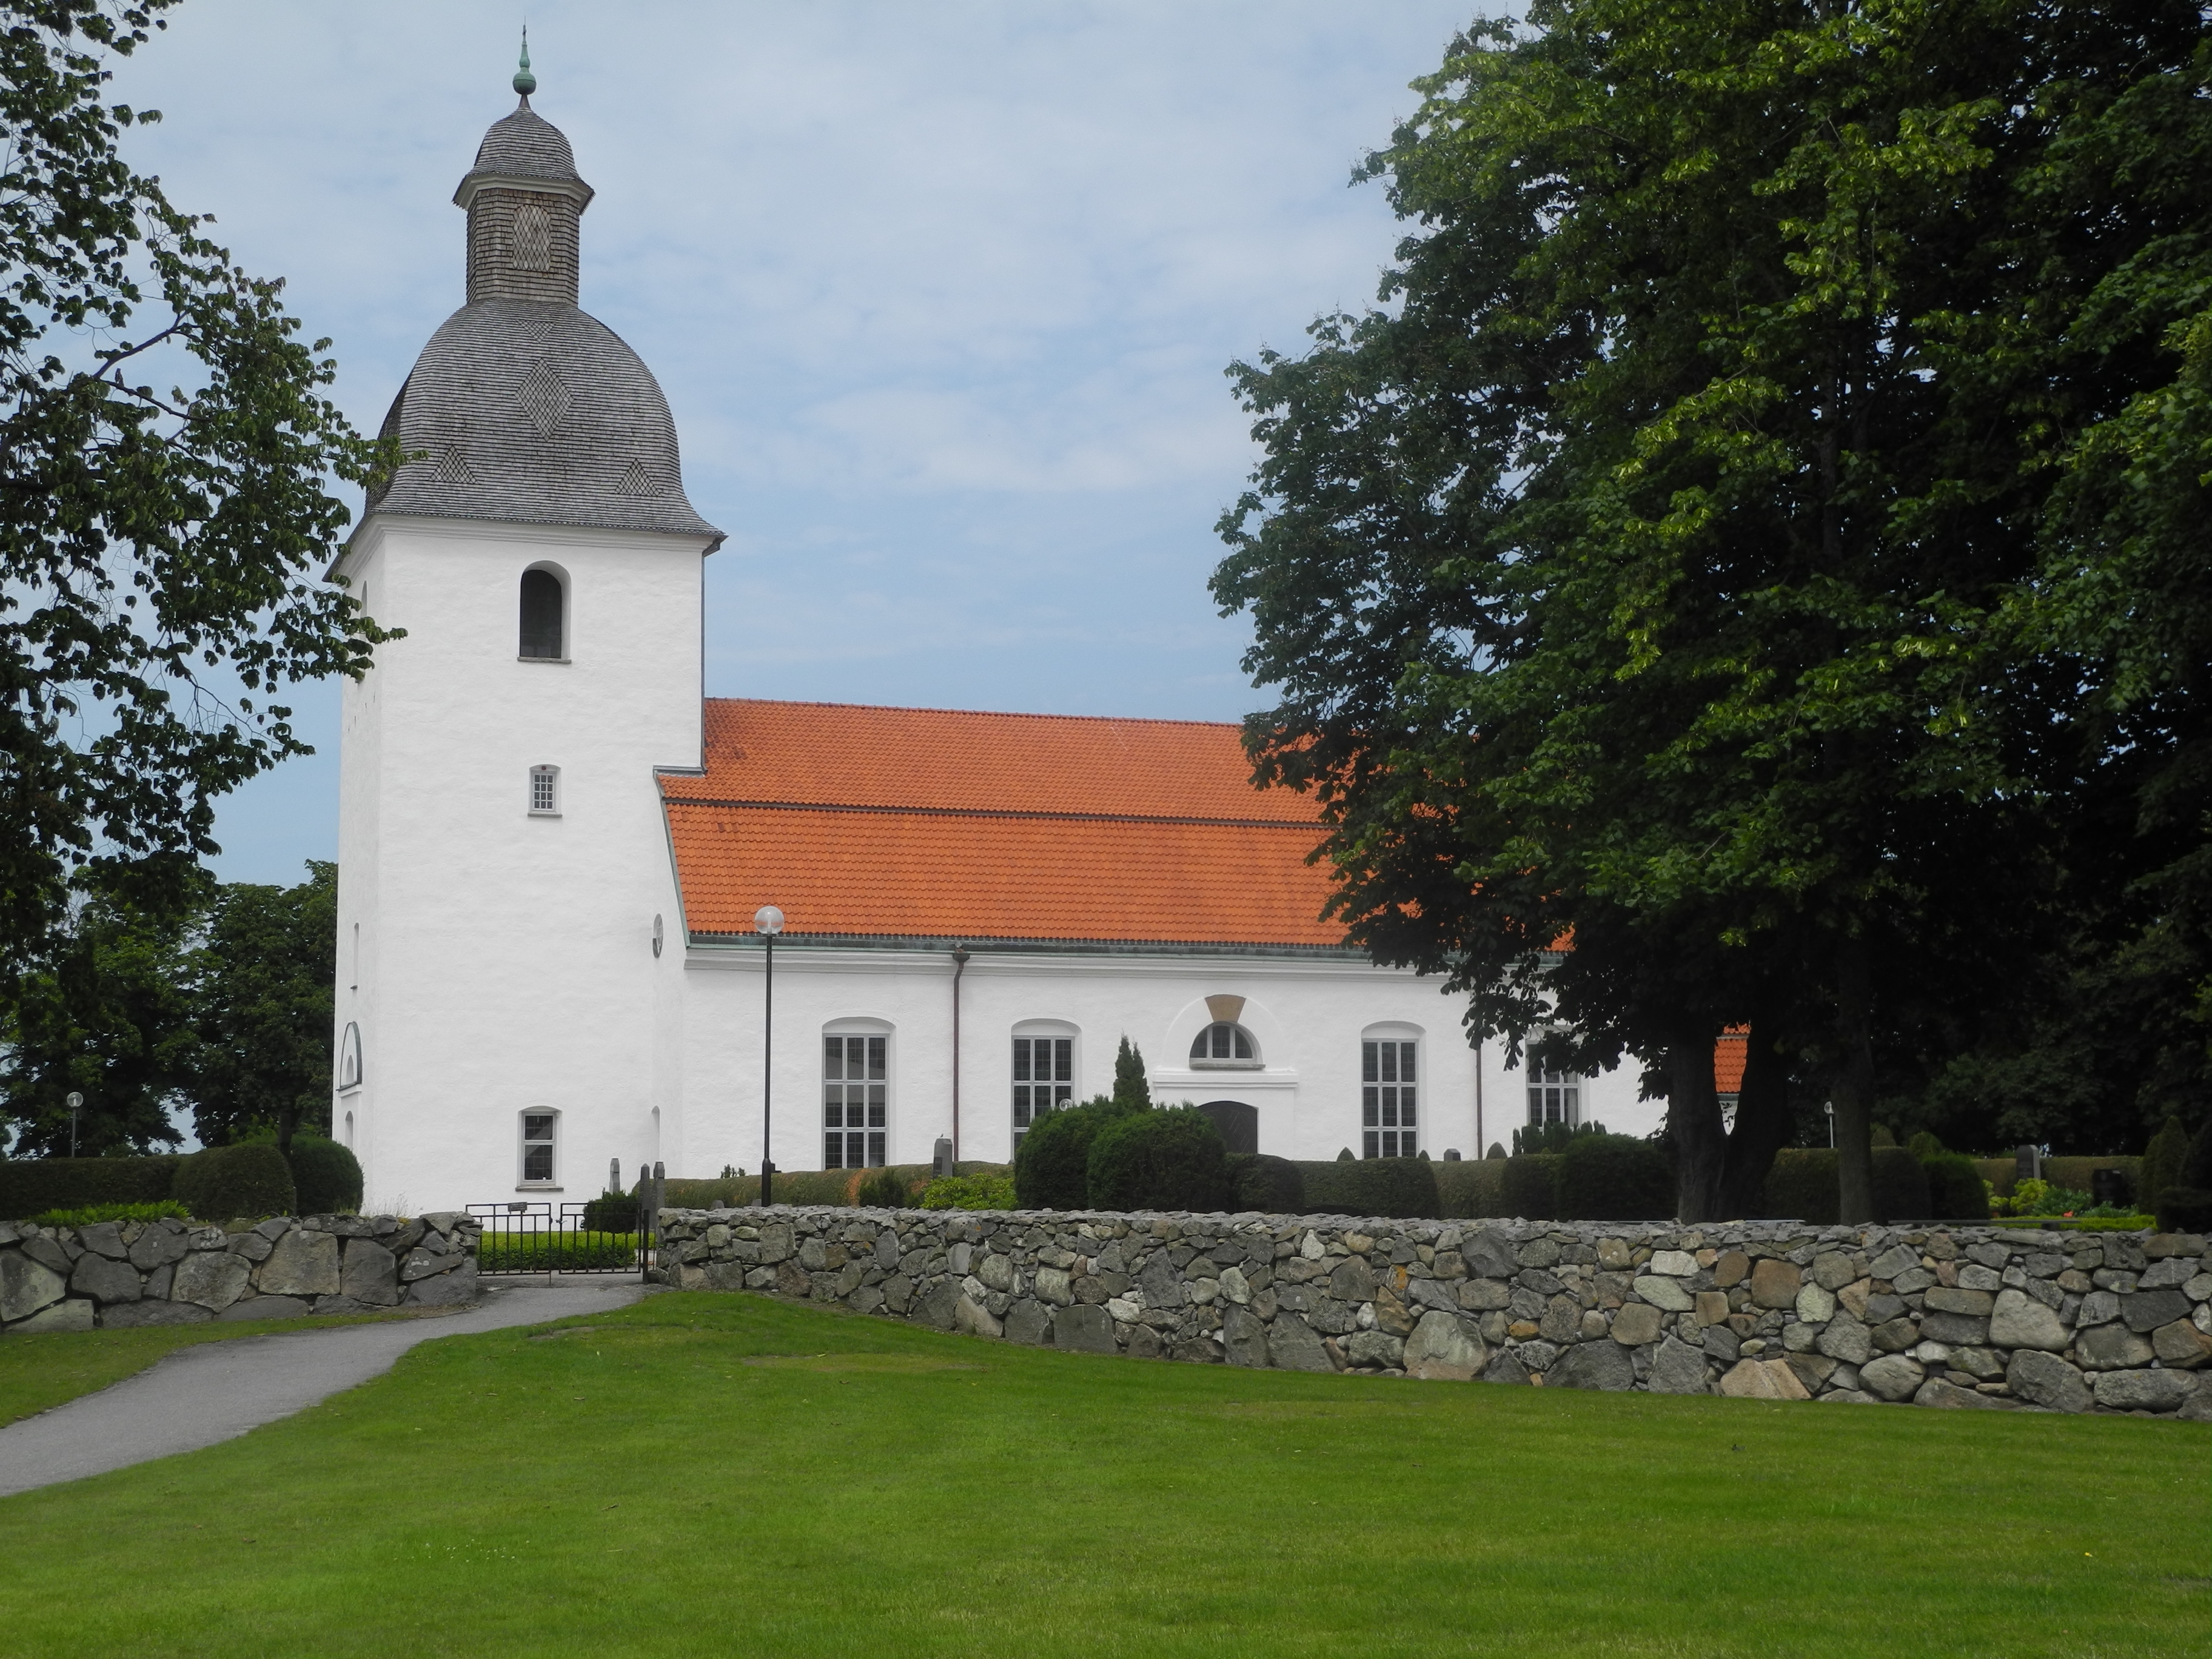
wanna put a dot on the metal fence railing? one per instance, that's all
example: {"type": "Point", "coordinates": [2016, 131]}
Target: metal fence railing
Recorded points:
{"type": "Point", "coordinates": [611, 1235]}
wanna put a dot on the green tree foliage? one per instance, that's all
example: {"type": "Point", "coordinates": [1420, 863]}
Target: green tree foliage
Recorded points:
{"type": "Point", "coordinates": [166, 462]}
{"type": "Point", "coordinates": [1168, 1159]}
{"type": "Point", "coordinates": [1132, 1091]}
{"type": "Point", "coordinates": [1052, 1164]}
{"type": "Point", "coordinates": [105, 1011]}
{"type": "Point", "coordinates": [262, 983]}
{"type": "Point", "coordinates": [1707, 556]}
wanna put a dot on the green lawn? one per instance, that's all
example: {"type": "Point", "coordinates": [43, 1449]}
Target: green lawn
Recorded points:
{"type": "Point", "coordinates": [38, 1372]}
{"type": "Point", "coordinates": [722, 1474]}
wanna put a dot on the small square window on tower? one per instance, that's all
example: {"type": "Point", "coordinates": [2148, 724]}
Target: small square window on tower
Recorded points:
{"type": "Point", "coordinates": [545, 792]}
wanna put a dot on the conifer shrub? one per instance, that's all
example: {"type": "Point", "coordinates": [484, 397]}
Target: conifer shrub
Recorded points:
{"type": "Point", "coordinates": [1261, 1181]}
{"type": "Point", "coordinates": [1605, 1177]}
{"type": "Point", "coordinates": [2163, 1158]}
{"type": "Point", "coordinates": [612, 1212]}
{"type": "Point", "coordinates": [1801, 1185]}
{"type": "Point", "coordinates": [1052, 1166]}
{"type": "Point", "coordinates": [1170, 1160]}
{"type": "Point", "coordinates": [1956, 1191]}
{"type": "Point", "coordinates": [226, 1183]}
{"type": "Point", "coordinates": [325, 1176]}
{"type": "Point", "coordinates": [31, 1186]}
{"type": "Point", "coordinates": [1401, 1188]}
{"type": "Point", "coordinates": [1530, 1188]}
{"type": "Point", "coordinates": [1900, 1185]}
{"type": "Point", "coordinates": [1133, 1091]}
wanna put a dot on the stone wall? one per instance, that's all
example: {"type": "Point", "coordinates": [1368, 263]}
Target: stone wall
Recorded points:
{"type": "Point", "coordinates": [172, 1273]}
{"type": "Point", "coordinates": [1976, 1317]}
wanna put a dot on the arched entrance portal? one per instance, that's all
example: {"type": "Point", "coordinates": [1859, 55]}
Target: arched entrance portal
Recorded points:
{"type": "Point", "coordinates": [1239, 1124]}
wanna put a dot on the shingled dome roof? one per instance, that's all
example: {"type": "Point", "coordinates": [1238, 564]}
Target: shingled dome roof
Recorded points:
{"type": "Point", "coordinates": [536, 413]}
{"type": "Point", "coordinates": [525, 145]}
{"type": "Point", "coordinates": [522, 408]}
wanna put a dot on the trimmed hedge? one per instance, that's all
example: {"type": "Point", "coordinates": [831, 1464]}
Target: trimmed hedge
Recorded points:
{"type": "Point", "coordinates": [612, 1212]}
{"type": "Point", "coordinates": [1399, 1187]}
{"type": "Point", "coordinates": [1469, 1188]}
{"type": "Point", "coordinates": [1261, 1181]}
{"type": "Point", "coordinates": [326, 1175]}
{"type": "Point", "coordinates": [2080, 1173]}
{"type": "Point", "coordinates": [1531, 1186]}
{"type": "Point", "coordinates": [1955, 1192]}
{"type": "Point", "coordinates": [1605, 1177]}
{"type": "Point", "coordinates": [1801, 1185]}
{"type": "Point", "coordinates": [225, 1183]}
{"type": "Point", "coordinates": [31, 1186]}
{"type": "Point", "coordinates": [553, 1252]}
{"type": "Point", "coordinates": [1169, 1158]}
{"type": "Point", "coordinates": [1052, 1166]}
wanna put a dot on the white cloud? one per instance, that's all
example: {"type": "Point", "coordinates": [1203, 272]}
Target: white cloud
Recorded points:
{"type": "Point", "coordinates": [941, 294]}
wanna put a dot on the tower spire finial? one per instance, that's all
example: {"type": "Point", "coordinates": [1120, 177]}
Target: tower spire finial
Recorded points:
{"type": "Point", "coordinates": [525, 82]}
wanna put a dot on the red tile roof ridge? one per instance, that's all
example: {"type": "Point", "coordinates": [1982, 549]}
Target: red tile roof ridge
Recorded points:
{"type": "Point", "coordinates": [898, 810]}
{"type": "Point", "coordinates": [979, 713]}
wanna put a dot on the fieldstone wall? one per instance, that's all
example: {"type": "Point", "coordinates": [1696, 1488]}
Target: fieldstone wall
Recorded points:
{"type": "Point", "coordinates": [172, 1273]}
{"type": "Point", "coordinates": [1983, 1317]}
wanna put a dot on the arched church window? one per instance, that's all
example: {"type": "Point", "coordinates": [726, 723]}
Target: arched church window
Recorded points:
{"type": "Point", "coordinates": [533, 237]}
{"type": "Point", "coordinates": [544, 634]}
{"type": "Point", "coordinates": [349, 1057]}
{"type": "Point", "coordinates": [1222, 1044]}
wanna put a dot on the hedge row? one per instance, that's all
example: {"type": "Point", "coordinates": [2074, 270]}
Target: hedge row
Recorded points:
{"type": "Point", "coordinates": [218, 1184]}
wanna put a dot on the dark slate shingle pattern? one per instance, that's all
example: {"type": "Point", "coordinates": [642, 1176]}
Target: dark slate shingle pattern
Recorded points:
{"type": "Point", "coordinates": [533, 412]}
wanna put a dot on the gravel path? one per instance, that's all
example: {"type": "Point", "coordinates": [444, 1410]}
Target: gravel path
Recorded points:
{"type": "Point", "coordinates": [220, 1390]}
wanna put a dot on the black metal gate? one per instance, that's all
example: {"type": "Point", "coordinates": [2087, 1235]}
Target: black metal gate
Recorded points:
{"type": "Point", "coordinates": [598, 1237]}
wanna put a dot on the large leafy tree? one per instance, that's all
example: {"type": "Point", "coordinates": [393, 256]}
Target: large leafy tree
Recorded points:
{"type": "Point", "coordinates": [261, 984]}
{"type": "Point", "coordinates": [168, 459]}
{"type": "Point", "coordinates": [107, 1013]}
{"type": "Point", "coordinates": [1693, 563]}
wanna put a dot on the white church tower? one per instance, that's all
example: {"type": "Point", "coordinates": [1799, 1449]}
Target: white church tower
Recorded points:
{"type": "Point", "coordinates": [510, 942]}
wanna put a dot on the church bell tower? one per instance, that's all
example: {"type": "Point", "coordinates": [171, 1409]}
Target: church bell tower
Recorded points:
{"type": "Point", "coordinates": [507, 1017]}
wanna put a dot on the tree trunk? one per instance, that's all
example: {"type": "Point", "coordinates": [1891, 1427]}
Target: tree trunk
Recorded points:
{"type": "Point", "coordinates": [1851, 1091]}
{"type": "Point", "coordinates": [1694, 1120]}
{"type": "Point", "coordinates": [1763, 1121]}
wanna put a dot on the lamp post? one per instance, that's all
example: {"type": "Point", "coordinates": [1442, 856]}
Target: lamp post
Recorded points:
{"type": "Point", "coordinates": [768, 922]}
{"type": "Point", "coordinates": [1829, 1107]}
{"type": "Point", "coordinates": [74, 1101]}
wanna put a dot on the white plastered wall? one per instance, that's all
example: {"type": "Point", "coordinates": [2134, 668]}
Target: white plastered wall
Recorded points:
{"type": "Point", "coordinates": [506, 959]}
{"type": "Point", "coordinates": [1306, 1014]}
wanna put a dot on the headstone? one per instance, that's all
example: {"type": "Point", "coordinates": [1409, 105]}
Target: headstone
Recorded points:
{"type": "Point", "coordinates": [2027, 1165]}
{"type": "Point", "coordinates": [941, 1158]}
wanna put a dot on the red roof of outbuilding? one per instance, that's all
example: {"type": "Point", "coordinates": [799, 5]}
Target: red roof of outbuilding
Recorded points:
{"type": "Point", "coordinates": [942, 823]}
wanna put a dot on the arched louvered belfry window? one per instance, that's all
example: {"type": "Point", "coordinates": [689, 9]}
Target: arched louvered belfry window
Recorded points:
{"type": "Point", "coordinates": [544, 619]}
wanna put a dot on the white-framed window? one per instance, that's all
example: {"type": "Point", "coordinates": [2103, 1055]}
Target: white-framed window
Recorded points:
{"type": "Point", "coordinates": [349, 1057]}
{"type": "Point", "coordinates": [542, 606]}
{"type": "Point", "coordinates": [1045, 1075]}
{"type": "Point", "coordinates": [1224, 1047]}
{"type": "Point", "coordinates": [1389, 1083]}
{"type": "Point", "coordinates": [1554, 1098]}
{"type": "Point", "coordinates": [541, 1148]}
{"type": "Point", "coordinates": [545, 792]}
{"type": "Point", "coordinates": [855, 1100]}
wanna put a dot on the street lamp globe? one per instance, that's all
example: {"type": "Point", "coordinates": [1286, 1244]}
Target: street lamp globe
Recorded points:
{"type": "Point", "coordinates": [767, 920]}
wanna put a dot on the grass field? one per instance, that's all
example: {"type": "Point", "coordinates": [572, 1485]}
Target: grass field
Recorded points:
{"type": "Point", "coordinates": [721, 1474]}
{"type": "Point", "coordinates": [37, 1373]}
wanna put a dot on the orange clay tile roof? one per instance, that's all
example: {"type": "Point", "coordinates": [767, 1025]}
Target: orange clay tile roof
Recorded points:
{"type": "Point", "coordinates": [1728, 1061]}
{"type": "Point", "coordinates": [937, 823]}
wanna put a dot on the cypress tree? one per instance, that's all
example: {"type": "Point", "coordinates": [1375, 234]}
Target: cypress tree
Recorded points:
{"type": "Point", "coordinates": [1132, 1092]}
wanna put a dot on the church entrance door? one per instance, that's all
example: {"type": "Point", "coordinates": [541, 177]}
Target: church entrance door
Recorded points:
{"type": "Point", "coordinates": [1239, 1124]}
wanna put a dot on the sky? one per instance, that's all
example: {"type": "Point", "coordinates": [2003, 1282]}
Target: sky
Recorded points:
{"type": "Point", "coordinates": [941, 296]}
